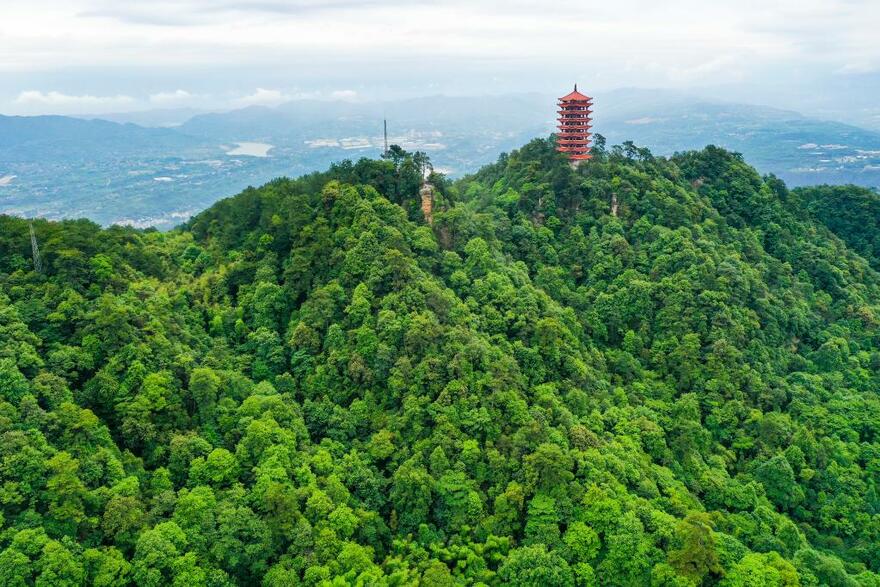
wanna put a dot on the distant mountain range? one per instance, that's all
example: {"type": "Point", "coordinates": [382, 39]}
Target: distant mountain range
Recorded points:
{"type": "Point", "coordinates": [800, 150]}
{"type": "Point", "coordinates": [52, 138]}
{"type": "Point", "coordinates": [149, 174]}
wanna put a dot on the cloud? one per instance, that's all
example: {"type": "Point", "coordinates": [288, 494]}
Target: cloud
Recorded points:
{"type": "Point", "coordinates": [140, 16]}
{"type": "Point", "coordinates": [70, 102]}
{"type": "Point", "coordinates": [724, 65]}
{"type": "Point", "coordinates": [175, 98]}
{"type": "Point", "coordinates": [857, 68]}
{"type": "Point", "coordinates": [344, 95]}
{"type": "Point", "coordinates": [199, 12]}
{"type": "Point", "coordinates": [387, 48]}
{"type": "Point", "coordinates": [262, 97]}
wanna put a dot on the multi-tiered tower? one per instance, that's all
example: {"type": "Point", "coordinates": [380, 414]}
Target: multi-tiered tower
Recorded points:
{"type": "Point", "coordinates": [574, 125]}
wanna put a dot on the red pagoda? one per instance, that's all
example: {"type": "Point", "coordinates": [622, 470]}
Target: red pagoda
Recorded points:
{"type": "Point", "coordinates": [574, 126]}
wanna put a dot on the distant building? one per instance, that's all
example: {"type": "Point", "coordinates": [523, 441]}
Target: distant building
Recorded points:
{"type": "Point", "coordinates": [574, 126]}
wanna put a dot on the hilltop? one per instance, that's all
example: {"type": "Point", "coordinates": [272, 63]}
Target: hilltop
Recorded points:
{"type": "Point", "coordinates": [310, 384]}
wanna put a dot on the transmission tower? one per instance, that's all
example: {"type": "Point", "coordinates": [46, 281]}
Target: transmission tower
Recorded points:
{"type": "Point", "coordinates": [38, 263]}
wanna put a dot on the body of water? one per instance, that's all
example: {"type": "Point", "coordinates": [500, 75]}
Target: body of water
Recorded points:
{"type": "Point", "coordinates": [251, 149]}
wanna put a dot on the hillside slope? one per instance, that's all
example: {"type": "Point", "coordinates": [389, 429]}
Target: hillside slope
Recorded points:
{"type": "Point", "coordinates": [307, 384]}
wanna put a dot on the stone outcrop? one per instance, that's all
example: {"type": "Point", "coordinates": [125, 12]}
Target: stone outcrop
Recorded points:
{"type": "Point", "coordinates": [427, 194]}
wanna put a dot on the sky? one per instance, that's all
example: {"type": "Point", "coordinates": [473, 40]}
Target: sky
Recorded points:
{"type": "Point", "coordinates": [99, 56]}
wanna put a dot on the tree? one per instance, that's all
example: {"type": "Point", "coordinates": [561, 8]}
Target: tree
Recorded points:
{"type": "Point", "coordinates": [696, 557]}
{"type": "Point", "coordinates": [58, 566]}
{"type": "Point", "coordinates": [65, 492]}
{"type": "Point", "coordinates": [548, 467]}
{"type": "Point", "coordinates": [106, 567]}
{"type": "Point", "coordinates": [219, 468]}
{"type": "Point", "coordinates": [582, 541]}
{"type": "Point", "coordinates": [542, 522]}
{"type": "Point", "coordinates": [533, 566]}
{"type": "Point", "coordinates": [156, 553]}
{"type": "Point", "coordinates": [437, 575]}
{"type": "Point", "coordinates": [13, 385]}
{"type": "Point", "coordinates": [155, 409]}
{"type": "Point", "coordinates": [411, 495]}
{"type": "Point", "coordinates": [204, 388]}
{"type": "Point", "coordinates": [779, 482]}
{"type": "Point", "coordinates": [626, 560]}
{"type": "Point", "coordinates": [123, 519]}
{"type": "Point", "coordinates": [768, 570]}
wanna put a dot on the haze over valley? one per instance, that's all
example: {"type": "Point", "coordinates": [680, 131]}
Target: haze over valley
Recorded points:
{"type": "Point", "coordinates": [121, 172]}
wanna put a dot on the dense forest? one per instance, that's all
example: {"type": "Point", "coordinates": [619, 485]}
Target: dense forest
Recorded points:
{"type": "Point", "coordinates": [311, 383]}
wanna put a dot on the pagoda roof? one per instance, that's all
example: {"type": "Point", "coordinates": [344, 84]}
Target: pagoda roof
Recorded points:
{"type": "Point", "coordinates": [575, 95]}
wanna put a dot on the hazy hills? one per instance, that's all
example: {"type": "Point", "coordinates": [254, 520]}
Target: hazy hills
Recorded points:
{"type": "Point", "coordinates": [47, 138]}
{"type": "Point", "coordinates": [57, 166]}
{"type": "Point", "coordinates": [801, 150]}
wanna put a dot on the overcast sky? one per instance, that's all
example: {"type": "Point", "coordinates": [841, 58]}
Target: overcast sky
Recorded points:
{"type": "Point", "coordinates": [81, 56]}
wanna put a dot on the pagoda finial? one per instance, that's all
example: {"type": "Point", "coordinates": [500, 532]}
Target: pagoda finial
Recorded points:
{"type": "Point", "coordinates": [575, 87]}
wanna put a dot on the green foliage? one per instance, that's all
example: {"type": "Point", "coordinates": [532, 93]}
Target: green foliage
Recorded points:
{"type": "Point", "coordinates": [850, 212]}
{"type": "Point", "coordinates": [532, 566]}
{"type": "Point", "coordinates": [307, 384]}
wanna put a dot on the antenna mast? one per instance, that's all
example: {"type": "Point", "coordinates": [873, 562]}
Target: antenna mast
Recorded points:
{"type": "Point", "coordinates": [385, 127]}
{"type": "Point", "coordinates": [38, 263]}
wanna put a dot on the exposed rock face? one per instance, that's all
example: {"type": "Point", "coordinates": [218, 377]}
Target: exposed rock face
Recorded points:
{"type": "Point", "coordinates": [427, 194]}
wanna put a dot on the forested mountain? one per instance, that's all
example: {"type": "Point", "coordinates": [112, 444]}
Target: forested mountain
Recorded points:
{"type": "Point", "coordinates": [312, 384]}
